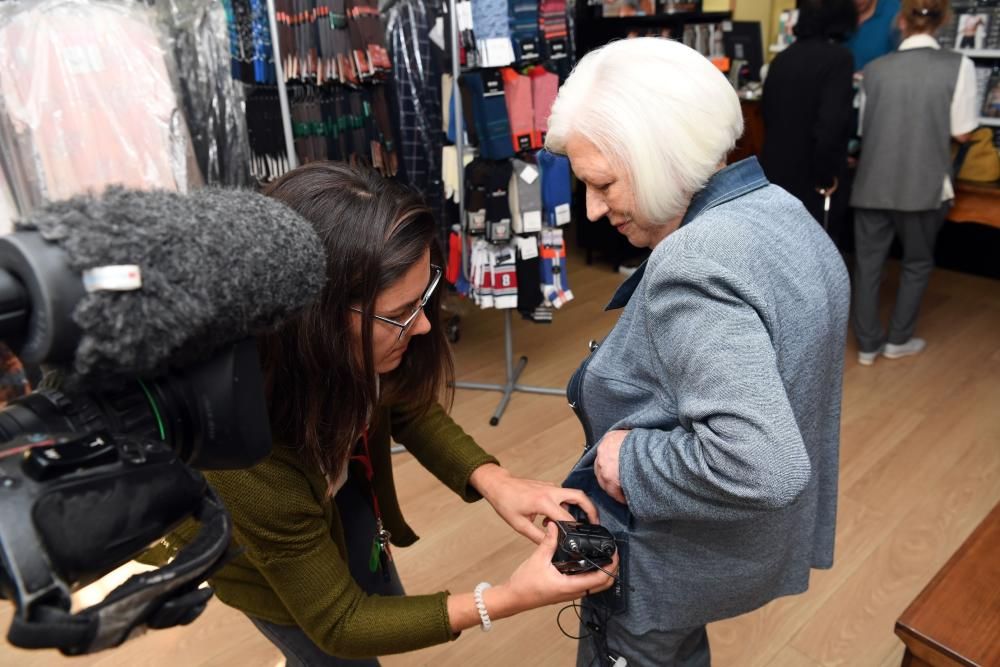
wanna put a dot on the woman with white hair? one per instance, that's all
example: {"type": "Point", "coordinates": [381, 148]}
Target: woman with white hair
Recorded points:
{"type": "Point", "coordinates": [712, 408]}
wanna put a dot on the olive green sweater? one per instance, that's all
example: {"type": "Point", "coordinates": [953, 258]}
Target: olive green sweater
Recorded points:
{"type": "Point", "coordinates": [293, 570]}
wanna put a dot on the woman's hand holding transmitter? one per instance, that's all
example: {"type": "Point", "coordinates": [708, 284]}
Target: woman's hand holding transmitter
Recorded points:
{"type": "Point", "coordinates": [535, 583]}
{"type": "Point", "coordinates": [520, 501]}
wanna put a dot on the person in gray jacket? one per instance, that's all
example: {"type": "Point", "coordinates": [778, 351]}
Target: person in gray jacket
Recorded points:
{"type": "Point", "coordinates": [712, 409]}
{"type": "Point", "coordinates": [915, 100]}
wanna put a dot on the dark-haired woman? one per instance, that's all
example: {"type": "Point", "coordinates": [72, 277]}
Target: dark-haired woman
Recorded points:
{"type": "Point", "coordinates": [807, 107]}
{"type": "Point", "coordinates": [318, 518]}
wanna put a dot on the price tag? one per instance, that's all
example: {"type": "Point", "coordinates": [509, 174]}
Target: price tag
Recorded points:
{"type": "Point", "coordinates": [531, 221]}
{"type": "Point", "coordinates": [436, 34]}
{"type": "Point", "coordinates": [492, 83]}
{"type": "Point", "coordinates": [562, 214]}
{"type": "Point", "coordinates": [477, 220]}
{"type": "Point", "coordinates": [527, 246]}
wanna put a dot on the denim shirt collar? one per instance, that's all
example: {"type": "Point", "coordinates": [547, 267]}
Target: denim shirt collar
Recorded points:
{"type": "Point", "coordinates": [724, 185]}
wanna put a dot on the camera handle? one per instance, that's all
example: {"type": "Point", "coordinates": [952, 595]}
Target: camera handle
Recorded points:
{"type": "Point", "coordinates": [157, 599]}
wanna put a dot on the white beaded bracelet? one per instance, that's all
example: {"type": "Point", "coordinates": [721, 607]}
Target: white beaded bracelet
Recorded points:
{"type": "Point", "coordinates": [481, 606]}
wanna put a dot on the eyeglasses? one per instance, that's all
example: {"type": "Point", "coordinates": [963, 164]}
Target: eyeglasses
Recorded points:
{"type": "Point", "coordinates": [407, 324]}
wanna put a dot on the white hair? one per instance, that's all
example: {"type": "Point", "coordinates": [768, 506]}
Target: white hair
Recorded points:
{"type": "Point", "coordinates": [656, 109]}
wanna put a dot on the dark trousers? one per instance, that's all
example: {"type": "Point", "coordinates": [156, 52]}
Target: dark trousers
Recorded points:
{"type": "Point", "coordinates": [874, 230]}
{"type": "Point", "coordinates": [681, 647]}
{"type": "Point", "coordinates": [359, 530]}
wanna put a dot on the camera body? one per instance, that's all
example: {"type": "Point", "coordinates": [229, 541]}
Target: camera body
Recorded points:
{"type": "Point", "coordinates": [88, 480]}
{"type": "Point", "coordinates": [582, 547]}
{"type": "Point", "coordinates": [76, 507]}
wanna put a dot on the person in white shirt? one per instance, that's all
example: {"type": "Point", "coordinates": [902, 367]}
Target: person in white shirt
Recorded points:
{"type": "Point", "coordinates": [914, 102]}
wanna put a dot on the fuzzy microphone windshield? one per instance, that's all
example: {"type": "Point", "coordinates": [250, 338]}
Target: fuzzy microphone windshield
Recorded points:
{"type": "Point", "coordinates": [215, 266]}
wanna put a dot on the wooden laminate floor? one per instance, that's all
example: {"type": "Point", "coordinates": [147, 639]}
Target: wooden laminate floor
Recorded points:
{"type": "Point", "coordinates": [920, 467]}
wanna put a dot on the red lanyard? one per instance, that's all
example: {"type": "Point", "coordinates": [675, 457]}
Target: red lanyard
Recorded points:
{"type": "Point", "coordinates": [365, 459]}
{"type": "Point", "coordinates": [381, 554]}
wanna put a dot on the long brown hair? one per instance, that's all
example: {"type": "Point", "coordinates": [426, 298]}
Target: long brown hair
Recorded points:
{"type": "Point", "coordinates": [321, 381]}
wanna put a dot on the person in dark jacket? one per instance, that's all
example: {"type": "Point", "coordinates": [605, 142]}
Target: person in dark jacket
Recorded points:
{"type": "Point", "coordinates": [807, 109]}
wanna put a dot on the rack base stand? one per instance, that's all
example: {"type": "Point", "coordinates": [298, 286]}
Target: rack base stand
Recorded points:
{"type": "Point", "coordinates": [513, 373]}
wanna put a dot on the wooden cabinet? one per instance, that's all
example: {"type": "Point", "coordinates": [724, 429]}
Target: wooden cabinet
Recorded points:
{"type": "Point", "coordinates": [976, 202]}
{"type": "Point", "coordinates": [956, 619]}
{"type": "Point", "coordinates": [752, 141]}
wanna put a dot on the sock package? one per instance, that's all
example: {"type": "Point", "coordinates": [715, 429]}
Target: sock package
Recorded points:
{"type": "Point", "coordinates": [555, 282]}
{"type": "Point", "coordinates": [555, 188]}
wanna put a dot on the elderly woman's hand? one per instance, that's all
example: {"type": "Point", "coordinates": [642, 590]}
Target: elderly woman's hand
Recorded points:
{"type": "Point", "coordinates": [606, 464]}
{"type": "Point", "coordinates": [520, 501]}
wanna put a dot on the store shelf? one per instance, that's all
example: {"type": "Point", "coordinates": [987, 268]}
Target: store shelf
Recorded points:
{"type": "Point", "coordinates": [664, 19]}
{"type": "Point", "coordinates": [991, 122]}
{"type": "Point", "coordinates": [980, 53]}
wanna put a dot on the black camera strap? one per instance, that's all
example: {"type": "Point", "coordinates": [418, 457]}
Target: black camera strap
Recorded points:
{"type": "Point", "coordinates": [156, 599]}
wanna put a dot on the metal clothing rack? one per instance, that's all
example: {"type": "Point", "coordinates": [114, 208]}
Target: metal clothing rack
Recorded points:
{"type": "Point", "coordinates": [510, 384]}
{"type": "Point", "coordinates": [513, 373]}
{"type": "Point", "coordinates": [279, 73]}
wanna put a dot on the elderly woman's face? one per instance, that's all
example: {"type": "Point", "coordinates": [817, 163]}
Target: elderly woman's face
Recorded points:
{"type": "Point", "coordinates": [609, 193]}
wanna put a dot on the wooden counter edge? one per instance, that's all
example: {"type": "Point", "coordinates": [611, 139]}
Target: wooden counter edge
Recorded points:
{"type": "Point", "coordinates": [903, 626]}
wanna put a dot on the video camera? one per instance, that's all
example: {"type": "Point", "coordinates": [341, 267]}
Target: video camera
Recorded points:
{"type": "Point", "coordinates": [89, 479]}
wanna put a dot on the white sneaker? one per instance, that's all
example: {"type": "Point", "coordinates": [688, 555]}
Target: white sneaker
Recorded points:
{"type": "Point", "coordinates": [868, 358]}
{"type": "Point", "coordinates": [907, 349]}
